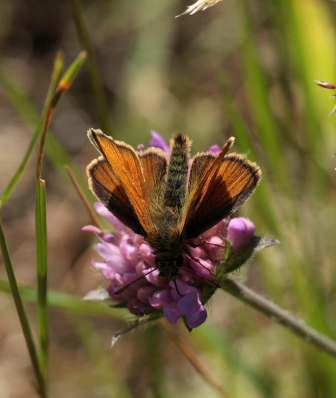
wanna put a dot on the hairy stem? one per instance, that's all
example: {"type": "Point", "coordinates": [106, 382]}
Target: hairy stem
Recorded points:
{"type": "Point", "coordinates": [280, 316]}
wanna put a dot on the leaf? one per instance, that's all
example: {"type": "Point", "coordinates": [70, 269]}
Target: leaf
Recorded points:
{"type": "Point", "coordinates": [236, 260]}
{"type": "Point", "coordinates": [144, 320]}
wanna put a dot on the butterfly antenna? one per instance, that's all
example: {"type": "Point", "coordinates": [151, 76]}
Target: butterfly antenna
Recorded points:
{"type": "Point", "coordinates": [131, 283]}
{"type": "Point", "coordinates": [198, 261]}
{"type": "Point", "coordinates": [214, 284]}
{"type": "Point", "coordinates": [177, 288]}
{"type": "Point", "coordinates": [210, 243]}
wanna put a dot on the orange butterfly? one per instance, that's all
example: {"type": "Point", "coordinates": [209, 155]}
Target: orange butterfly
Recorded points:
{"type": "Point", "coordinates": [164, 199]}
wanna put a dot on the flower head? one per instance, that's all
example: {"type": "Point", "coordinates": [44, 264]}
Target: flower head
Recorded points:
{"type": "Point", "coordinates": [240, 231]}
{"type": "Point", "coordinates": [128, 261]}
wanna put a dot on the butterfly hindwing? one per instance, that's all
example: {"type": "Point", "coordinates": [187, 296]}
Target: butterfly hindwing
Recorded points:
{"type": "Point", "coordinates": [154, 165]}
{"type": "Point", "coordinates": [217, 188]}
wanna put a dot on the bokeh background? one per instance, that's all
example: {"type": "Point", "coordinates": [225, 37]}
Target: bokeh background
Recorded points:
{"type": "Point", "coordinates": [242, 67]}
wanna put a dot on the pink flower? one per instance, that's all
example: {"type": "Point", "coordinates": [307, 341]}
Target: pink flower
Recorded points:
{"type": "Point", "coordinates": [186, 303]}
{"type": "Point", "coordinates": [240, 231]}
{"type": "Point", "coordinates": [159, 142]}
{"type": "Point", "coordinates": [128, 260]}
{"type": "Point", "coordinates": [330, 86]}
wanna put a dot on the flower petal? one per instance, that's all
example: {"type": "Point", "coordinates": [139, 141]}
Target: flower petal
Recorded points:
{"type": "Point", "coordinates": [190, 303]}
{"type": "Point", "coordinates": [171, 314]}
{"type": "Point", "coordinates": [196, 319]}
{"type": "Point", "coordinates": [159, 142]}
{"type": "Point", "coordinates": [92, 228]}
{"type": "Point", "coordinates": [240, 231]}
{"type": "Point", "coordinates": [161, 298]}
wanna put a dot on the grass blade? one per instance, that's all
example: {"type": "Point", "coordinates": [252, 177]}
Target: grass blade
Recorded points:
{"type": "Point", "coordinates": [54, 95]}
{"type": "Point", "coordinates": [42, 274]}
{"type": "Point", "coordinates": [18, 97]}
{"type": "Point", "coordinates": [68, 302]}
{"type": "Point", "coordinates": [22, 314]}
{"type": "Point", "coordinates": [31, 117]}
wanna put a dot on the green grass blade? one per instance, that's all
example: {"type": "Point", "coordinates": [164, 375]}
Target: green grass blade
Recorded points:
{"type": "Point", "coordinates": [58, 87]}
{"type": "Point", "coordinates": [68, 302]}
{"type": "Point", "coordinates": [72, 71]}
{"type": "Point", "coordinates": [17, 97]}
{"type": "Point", "coordinates": [14, 290]}
{"type": "Point", "coordinates": [246, 145]}
{"type": "Point", "coordinates": [42, 274]}
{"type": "Point", "coordinates": [259, 99]}
{"type": "Point", "coordinates": [30, 115]}
{"type": "Point", "coordinates": [55, 78]}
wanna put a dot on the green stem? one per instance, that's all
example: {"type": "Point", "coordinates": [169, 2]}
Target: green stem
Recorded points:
{"type": "Point", "coordinates": [22, 315]}
{"type": "Point", "coordinates": [279, 316]}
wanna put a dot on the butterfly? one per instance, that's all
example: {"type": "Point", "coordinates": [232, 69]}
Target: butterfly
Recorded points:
{"type": "Point", "coordinates": [165, 199]}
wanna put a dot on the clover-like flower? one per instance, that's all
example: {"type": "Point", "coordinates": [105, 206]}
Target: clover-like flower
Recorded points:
{"type": "Point", "coordinates": [128, 261]}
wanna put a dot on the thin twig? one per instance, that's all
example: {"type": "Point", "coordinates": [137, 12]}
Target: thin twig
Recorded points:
{"type": "Point", "coordinates": [94, 219]}
{"type": "Point", "coordinates": [279, 316]}
{"type": "Point", "coordinates": [187, 350]}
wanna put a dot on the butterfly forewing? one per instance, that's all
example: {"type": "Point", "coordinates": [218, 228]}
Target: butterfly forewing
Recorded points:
{"type": "Point", "coordinates": [221, 189]}
{"type": "Point", "coordinates": [203, 168]}
{"type": "Point", "coordinates": [108, 189]}
{"type": "Point", "coordinates": [123, 178]}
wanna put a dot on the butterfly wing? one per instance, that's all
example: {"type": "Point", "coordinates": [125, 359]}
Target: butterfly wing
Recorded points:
{"type": "Point", "coordinates": [218, 185]}
{"type": "Point", "coordinates": [124, 182]}
{"type": "Point", "coordinates": [154, 165]}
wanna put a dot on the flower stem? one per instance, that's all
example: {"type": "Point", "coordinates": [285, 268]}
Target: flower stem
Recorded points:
{"type": "Point", "coordinates": [279, 316]}
{"type": "Point", "coordinates": [189, 353]}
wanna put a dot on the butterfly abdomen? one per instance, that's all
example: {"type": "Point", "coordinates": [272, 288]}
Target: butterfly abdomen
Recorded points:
{"type": "Point", "coordinates": [167, 241]}
{"type": "Point", "coordinates": [176, 186]}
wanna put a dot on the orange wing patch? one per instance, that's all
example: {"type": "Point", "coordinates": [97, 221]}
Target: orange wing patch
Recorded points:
{"type": "Point", "coordinates": [123, 177]}
{"type": "Point", "coordinates": [108, 189]}
{"type": "Point", "coordinates": [218, 189]}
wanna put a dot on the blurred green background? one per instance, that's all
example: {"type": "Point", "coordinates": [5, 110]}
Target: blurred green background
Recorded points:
{"type": "Point", "coordinates": [242, 68]}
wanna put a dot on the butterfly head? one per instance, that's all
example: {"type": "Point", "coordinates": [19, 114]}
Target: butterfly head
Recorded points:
{"type": "Point", "coordinates": [169, 266]}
